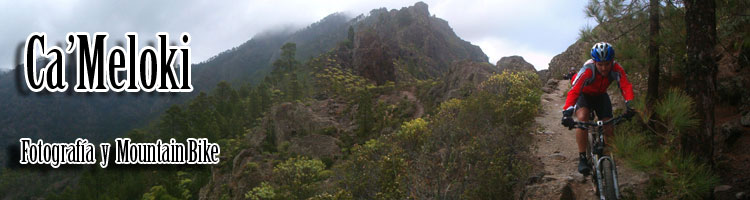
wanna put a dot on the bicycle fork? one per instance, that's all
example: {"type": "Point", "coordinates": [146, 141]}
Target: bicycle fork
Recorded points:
{"type": "Point", "coordinates": [600, 176]}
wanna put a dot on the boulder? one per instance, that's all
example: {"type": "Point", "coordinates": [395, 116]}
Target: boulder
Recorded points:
{"type": "Point", "coordinates": [552, 82]}
{"type": "Point", "coordinates": [723, 192]}
{"type": "Point", "coordinates": [558, 157]}
{"type": "Point", "coordinates": [722, 188]}
{"type": "Point", "coordinates": [543, 75]}
{"type": "Point", "coordinates": [729, 133]}
{"type": "Point", "coordinates": [550, 86]}
{"type": "Point", "coordinates": [514, 63]}
{"type": "Point", "coordinates": [574, 56]}
{"type": "Point", "coordinates": [741, 195]}
{"type": "Point", "coordinates": [316, 146]}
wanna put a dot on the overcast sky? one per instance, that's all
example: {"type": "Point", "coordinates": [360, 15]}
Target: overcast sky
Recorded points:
{"type": "Point", "coordinates": [534, 29]}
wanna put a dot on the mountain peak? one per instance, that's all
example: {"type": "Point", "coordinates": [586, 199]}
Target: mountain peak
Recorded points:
{"type": "Point", "coordinates": [421, 8]}
{"type": "Point", "coordinates": [406, 44]}
{"type": "Point", "coordinates": [514, 63]}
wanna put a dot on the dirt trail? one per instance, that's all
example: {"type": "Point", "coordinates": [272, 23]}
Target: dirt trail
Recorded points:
{"type": "Point", "coordinates": [556, 175]}
{"type": "Point", "coordinates": [409, 94]}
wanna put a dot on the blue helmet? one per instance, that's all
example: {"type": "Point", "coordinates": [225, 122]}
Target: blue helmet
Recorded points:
{"type": "Point", "coordinates": [602, 52]}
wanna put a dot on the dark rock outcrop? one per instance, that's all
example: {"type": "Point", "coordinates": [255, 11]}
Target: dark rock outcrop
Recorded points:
{"type": "Point", "coordinates": [550, 85]}
{"type": "Point", "coordinates": [728, 133]}
{"type": "Point", "coordinates": [405, 44]}
{"type": "Point", "coordinates": [543, 75]}
{"type": "Point", "coordinates": [462, 79]}
{"type": "Point", "coordinates": [514, 63]}
{"type": "Point", "coordinates": [316, 146]}
{"type": "Point", "coordinates": [574, 56]}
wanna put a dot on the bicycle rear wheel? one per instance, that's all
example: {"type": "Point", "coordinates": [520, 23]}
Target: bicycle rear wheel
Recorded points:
{"type": "Point", "coordinates": [608, 184]}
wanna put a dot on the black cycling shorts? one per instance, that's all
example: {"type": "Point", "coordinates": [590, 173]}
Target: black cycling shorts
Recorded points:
{"type": "Point", "coordinates": [601, 104]}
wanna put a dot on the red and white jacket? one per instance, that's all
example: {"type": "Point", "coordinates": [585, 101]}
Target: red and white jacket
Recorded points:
{"type": "Point", "coordinates": [590, 82]}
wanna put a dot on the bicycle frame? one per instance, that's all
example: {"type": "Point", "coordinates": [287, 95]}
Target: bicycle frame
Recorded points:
{"type": "Point", "coordinates": [595, 149]}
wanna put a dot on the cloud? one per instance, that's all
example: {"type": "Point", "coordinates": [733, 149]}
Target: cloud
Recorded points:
{"type": "Point", "coordinates": [497, 48]}
{"type": "Point", "coordinates": [542, 28]}
{"type": "Point", "coordinates": [537, 30]}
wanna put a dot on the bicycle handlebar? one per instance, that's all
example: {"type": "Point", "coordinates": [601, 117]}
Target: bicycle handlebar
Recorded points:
{"type": "Point", "coordinates": [615, 120]}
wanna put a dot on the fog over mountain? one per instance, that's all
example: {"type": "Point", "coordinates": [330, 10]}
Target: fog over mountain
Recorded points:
{"type": "Point", "coordinates": [540, 29]}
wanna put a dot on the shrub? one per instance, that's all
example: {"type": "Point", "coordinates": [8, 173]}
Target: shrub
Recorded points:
{"type": "Point", "coordinates": [629, 144]}
{"type": "Point", "coordinates": [515, 97]}
{"type": "Point", "coordinates": [676, 114]}
{"type": "Point", "coordinates": [338, 195]}
{"type": "Point", "coordinates": [158, 192]}
{"type": "Point", "coordinates": [671, 118]}
{"type": "Point", "coordinates": [263, 192]}
{"type": "Point", "coordinates": [333, 80]}
{"type": "Point", "coordinates": [299, 178]}
{"type": "Point", "coordinates": [413, 134]}
{"type": "Point", "coordinates": [475, 147]}
{"type": "Point", "coordinates": [375, 170]}
{"type": "Point", "coordinates": [472, 148]}
{"type": "Point", "coordinates": [689, 179]}
{"type": "Point", "coordinates": [675, 174]}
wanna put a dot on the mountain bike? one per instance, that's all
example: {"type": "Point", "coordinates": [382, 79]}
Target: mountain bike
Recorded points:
{"type": "Point", "coordinates": [605, 172]}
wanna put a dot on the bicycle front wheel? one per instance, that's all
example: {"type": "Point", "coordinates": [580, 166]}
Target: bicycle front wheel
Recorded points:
{"type": "Point", "coordinates": [608, 185]}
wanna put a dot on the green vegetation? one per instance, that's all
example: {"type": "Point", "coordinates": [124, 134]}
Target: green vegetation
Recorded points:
{"type": "Point", "coordinates": [388, 154]}
{"type": "Point", "coordinates": [295, 178]}
{"type": "Point", "coordinates": [657, 151]}
{"type": "Point", "coordinates": [449, 155]}
{"type": "Point", "coordinates": [622, 23]}
{"type": "Point", "coordinates": [359, 101]}
{"type": "Point", "coordinates": [442, 156]}
{"type": "Point", "coordinates": [670, 141]}
{"type": "Point", "coordinates": [224, 116]}
{"type": "Point", "coordinates": [345, 124]}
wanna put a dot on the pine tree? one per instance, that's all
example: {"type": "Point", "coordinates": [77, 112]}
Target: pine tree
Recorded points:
{"type": "Point", "coordinates": [264, 96]}
{"type": "Point", "coordinates": [201, 118]}
{"type": "Point", "coordinates": [350, 37]}
{"type": "Point", "coordinates": [254, 105]}
{"type": "Point", "coordinates": [172, 123]}
{"type": "Point", "coordinates": [364, 116]}
{"type": "Point", "coordinates": [287, 60]}
{"type": "Point", "coordinates": [701, 69]}
{"type": "Point", "coordinates": [227, 103]}
{"type": "Point", "coordinates": [653, 52]}
{"type": "Point", "coordinates": [295, 90]}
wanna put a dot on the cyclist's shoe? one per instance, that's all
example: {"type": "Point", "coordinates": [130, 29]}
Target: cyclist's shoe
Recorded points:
{"type": "Point", "coordinates": [583, 165]}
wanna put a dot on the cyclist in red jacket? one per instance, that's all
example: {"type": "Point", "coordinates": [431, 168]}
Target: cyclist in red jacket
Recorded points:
{"type": "Point", "coordinates": [589, 92]}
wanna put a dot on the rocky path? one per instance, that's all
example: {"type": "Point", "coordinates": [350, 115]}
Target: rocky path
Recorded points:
{"type": "Point", "coordinates": [409, 94]}
{"type": "Point", "coordinates": [556, 175]}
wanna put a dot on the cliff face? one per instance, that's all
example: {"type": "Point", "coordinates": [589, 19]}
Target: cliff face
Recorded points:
{"type": "Point", "coordinates": [462, 79]}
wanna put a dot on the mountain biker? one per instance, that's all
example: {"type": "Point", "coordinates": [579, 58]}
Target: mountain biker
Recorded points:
{"type": "Point", "coordinates": [589, 91]}
{"type": "Point", "coordinates": [570, 75]}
